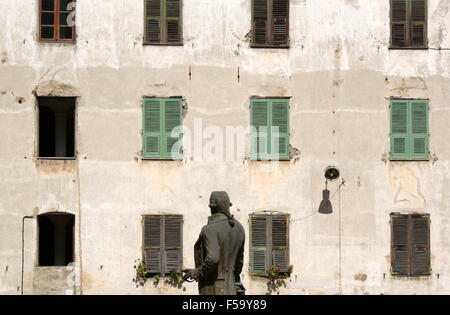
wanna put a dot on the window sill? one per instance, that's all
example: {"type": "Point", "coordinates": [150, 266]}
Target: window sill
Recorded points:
{"type": "Point", "coordinates": [161, 159]}
{"type": "Point", "coordinates": [57, 158]}
{"type": "Point", "coordinates": [410, 160]}
{"type": "Point", "coordinates": [163, 44]}
{"type": "Point", "coordinates": [407, 48]}
{"type": "Point", "coordinates": [270, 47]}
{"type": "Point", "coordinates": [71, 42]}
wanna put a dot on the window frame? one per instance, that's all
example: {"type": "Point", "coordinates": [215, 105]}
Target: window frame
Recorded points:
{"type": "Point", "coordinates": [409, 24]}
{"type": "Point", "coordinates": [410, 245]}
{"type": "Point", "coordinates": [270, 42]}
{"type": "Point", "coordinates": [163, 26]}
{"type": "Point", "coordinates": [57, 25]}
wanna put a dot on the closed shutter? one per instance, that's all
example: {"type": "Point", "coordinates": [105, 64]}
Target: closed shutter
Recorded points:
{"type": "Point", "coordinates": [152, 140]}
{"type": "Point", "coordinates": [259, 234]}
{"type": "Point", "coordinates": [420, 251]}
{"type": "Point", "coordinates": [418, 26]}
{"type": "Point", "coordinates": [152, 244]}
{"type": "Point", "coordinates": [260, 141]}
{"type": "Point", "coordinates": [399, 24]}
{"type": "Point", "coordinates": [399, 129]}
{"type": "Point", "coordinates": [173, 21]}
{"type": "Point", "coordinates": [173, 256]}
{"type": "Point", "coordinates": [400, 245]}
{"type": "Point", "coordinates": [172, 129]}
{"type": "Point", "coordinates": [280, 130]}
{"type": "Point", "coordinates": [153, 21]}
{"type": "Point", "coordinates": [419, 130]}
{"type": "Point", "coordinates": [260, 22]}
{"type": "Point", "coordinates": [280, 242]}
{"type": "Point", "coordinates": [280, 15]}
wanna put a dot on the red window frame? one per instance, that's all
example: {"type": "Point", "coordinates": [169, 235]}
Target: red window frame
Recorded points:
{"type": "Point", "coordinates": [57, 12]}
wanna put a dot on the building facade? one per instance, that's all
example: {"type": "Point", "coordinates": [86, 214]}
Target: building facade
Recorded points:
{"type": "Point", "coordinates": [89, 174]}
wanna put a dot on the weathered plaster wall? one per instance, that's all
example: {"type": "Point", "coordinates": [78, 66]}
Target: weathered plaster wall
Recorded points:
{"type": "Point", "coordinates": [339, 73]}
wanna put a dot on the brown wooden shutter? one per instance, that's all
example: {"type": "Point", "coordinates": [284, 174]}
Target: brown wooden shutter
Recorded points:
{"type": "Point", "coordinates": [173, 21]}
{"type": "Point", "coordinates": [399, 23]}
{"type": "Point", "coordinates": [259, 260]}
{"type": "Point", "coordinates": [420, 247]}
{"type": "Point", "coordinates": [153, 13]}
{"type": "Point", "coordinates": [400, 245]}
{"type": "Point", "coordinates": [260, 22]}
{"type": "Point", "coordinates": [152, 244]}
{"type": "Point", "coordinates": [280, 242]}
{"type": "Point", "coordinates": [418, 28]}
{"type": "Point", "coordinates": [173, 255]}
{"type": "Point", "coordinates": [280, 26]}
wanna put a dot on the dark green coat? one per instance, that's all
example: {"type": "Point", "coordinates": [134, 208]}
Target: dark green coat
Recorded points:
{"type": "Point", "coordinates": [219, 256]}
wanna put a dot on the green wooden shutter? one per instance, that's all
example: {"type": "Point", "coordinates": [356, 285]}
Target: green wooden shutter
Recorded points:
{"type": "Point", "coordinates": [280, 24]}
{"type": "Point", "coordinates": [173, 254]}
{"type": "Point", "coordinates": [152, 244]}
{"type": "Point", "coordinates": [280, 122]}
{"type": "Point", "coordinates": [260, 140]}
{"type": "Point", "coordinates": [399, 23]}
{"type": "Point", "coordinates": [172, 129]}
{"type": "Point", "coordinates": [173, 10]}
{"type": "Point", "coordinates": [153, 14]}
{"type": "Point", "coordinates": [260, 22]}
{"type": "Point", "coordinates": [418, 25]}
{"type": "Point", "coordinates": [259, 245]}
{"type": "Point", "coordinates": [419, 130]}
{"type": "Point", "coordinates": [152, 140]}
{"type": "Point", "coordinates": [280, 241]}
{"type": "Point", "coordinates": [400, 245]}
{"type": "Point", "coordinates": [420, 251]}
{"type": "Point", "coordinates": [399, 130]}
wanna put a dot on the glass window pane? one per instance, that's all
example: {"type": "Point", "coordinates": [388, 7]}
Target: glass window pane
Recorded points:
{"type": "Point", "coordinates": [65, 5]}
{"type": "Point", "coordinates": [48, 19]}
{"type": "Point", "coordinates": [48, 5]}
{"type": "Point", "coordinates": [65, 32]}
{"type": "Point", "coordinates": [47, 32]}
{"type": "Point", "coordinates": [64, 19]}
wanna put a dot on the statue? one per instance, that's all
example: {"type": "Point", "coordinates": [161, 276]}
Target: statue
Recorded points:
{"type": "Point", "coordinates": [219, 251]}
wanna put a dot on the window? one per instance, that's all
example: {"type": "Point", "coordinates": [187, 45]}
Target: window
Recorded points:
{"type": "Point", "coordinates": [410, 248]}
{"type": "Point", "coordinates": [56, 127]}
{"type": "Point", "coordinates": [270, 129]}
{"type": "Point", "coordinates": [162, 237]}
{"type": "Point", "coordinates": [269, 243]}
{"type": "Point", "coordinates": [163, 22]}
{"type": "Point", "coordinates": [409, 23]}
{"type": "Point", "coordinates": [57, 20]}
{"type": "Point", "coordinates": [409, 130]}
{"type": "Point", "coordinates": [56, 239]}
{"type": "Point", "coordinates": [270, 23]}
{"type": "Point", "coordinates": [162, 121]}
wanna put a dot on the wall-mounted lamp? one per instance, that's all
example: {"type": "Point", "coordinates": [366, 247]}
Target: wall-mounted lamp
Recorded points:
{"type": "Point", "coordinates": [331, 174]}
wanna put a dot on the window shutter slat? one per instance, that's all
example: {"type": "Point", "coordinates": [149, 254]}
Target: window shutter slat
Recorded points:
{"type": "Point", "coordinates": [420, 264]}
{"type": "Point", "coordinates": [399, 10]}
{"type": "Point", "coordinates": [152, 243]}
{"type": "Point", "coordinates": [419, 23]}
{"type": "Point", "coordinates": [259, 244]}
{"type": "Point", "coordinates": [260, 22]}
{"type": "Point", "coordinates": [419, 129]}
{"type": "Point", "coordinates": [151, 128]}
{"type": "Point", "coordinates": [173, 123]}
{"type": "Point", "coordinates": [260, 142]}
{"type": "Point", "coordinates": [399, 129]}
{"type": "Point", "coordinates": [400, 241]}
{"type": "Point", "coordinates": [280, 121]}
{"type": "Point", "coordinates": [173, 243]}
{"type": "Point", "coordinates": [280, 242]}
{"type": "Point", "coordinates": [280, 15]}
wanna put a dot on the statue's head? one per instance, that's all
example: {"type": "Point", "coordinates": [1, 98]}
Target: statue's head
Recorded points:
{"type": "Point", "coordinates": [219, 202]}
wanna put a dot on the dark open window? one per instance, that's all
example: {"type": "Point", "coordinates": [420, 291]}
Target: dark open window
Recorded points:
{"type": "Point", "coordinates": [56, 239]}
{"type": "Point", "coordinates": [56, 127]}
{"type": "Point", "coordinates": [269, 243]}
{"type": "Point", "coordinates": [163, 22]}
{"type": "Point", "coordinates": [410, 245]}
{"type": "Point", "coordinates": [270, 23]}
{"type": "Point", "coordinates": [163, 243]}
{"type": "Point", "coordinates": [57, 20]}
{"type": "Point", "coordinates": [409, 23]}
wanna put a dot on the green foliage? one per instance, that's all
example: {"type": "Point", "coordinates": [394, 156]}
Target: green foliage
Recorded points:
{"type": "Point", "coordinates": [277, 278]}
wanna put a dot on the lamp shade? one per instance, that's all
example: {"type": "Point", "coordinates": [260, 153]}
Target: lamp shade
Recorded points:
{"type": "Point", "coordinates": [325, 206]}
